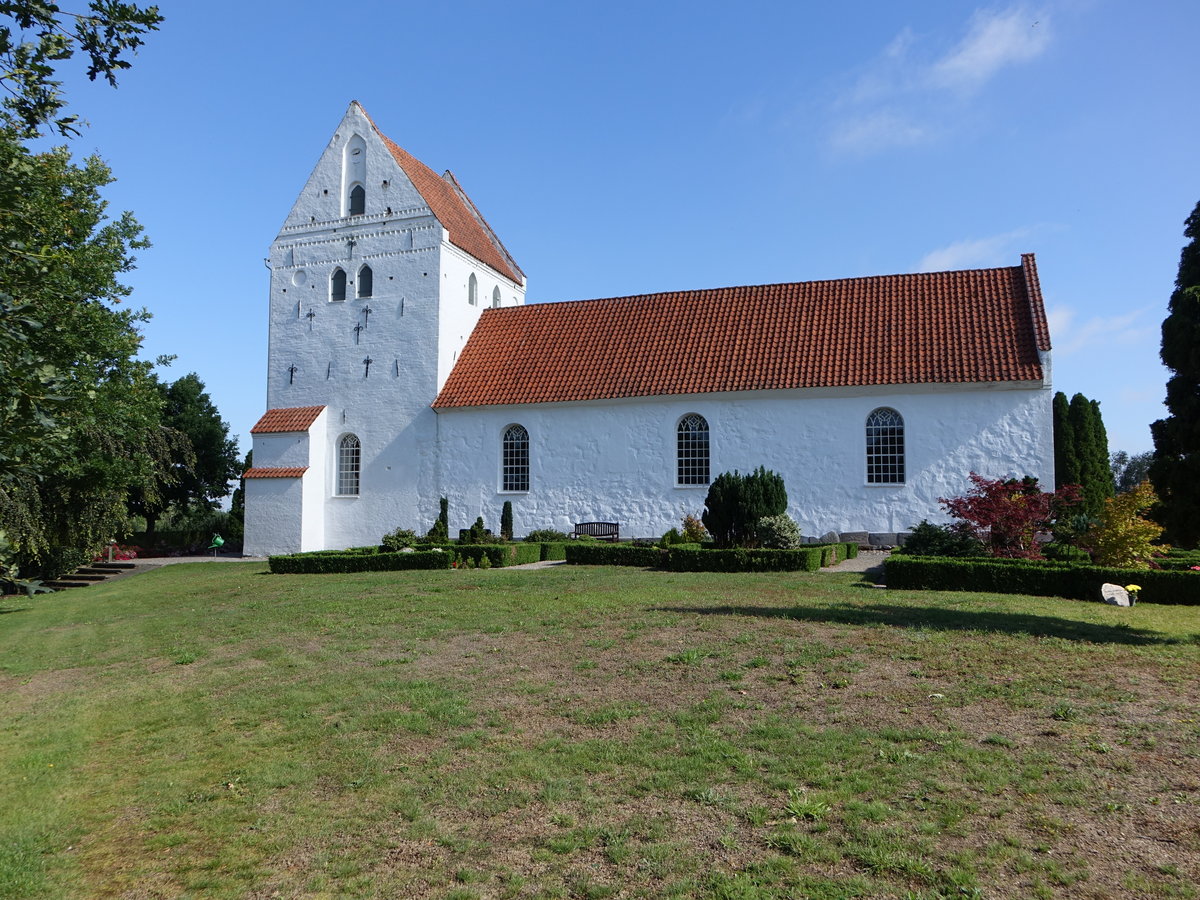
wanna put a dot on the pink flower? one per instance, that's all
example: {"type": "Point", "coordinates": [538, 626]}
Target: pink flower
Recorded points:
{"type": "Point", "coordinates": [1195, 568]}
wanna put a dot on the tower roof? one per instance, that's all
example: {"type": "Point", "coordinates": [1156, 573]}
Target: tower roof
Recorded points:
{"type": "Point", "coordinates": [454, 209]}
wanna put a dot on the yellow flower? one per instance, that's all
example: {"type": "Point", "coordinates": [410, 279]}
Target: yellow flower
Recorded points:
{"type": "Point", "coordinates": [1134, 588]}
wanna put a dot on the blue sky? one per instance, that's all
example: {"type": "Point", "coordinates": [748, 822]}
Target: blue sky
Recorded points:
{"type": "Point", "coordinates": [622, 148]}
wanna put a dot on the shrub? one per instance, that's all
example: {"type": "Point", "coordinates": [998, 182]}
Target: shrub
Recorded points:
{"type": "Point", "coordinates": [329, 562]}
{"type": "Point", "coordinates": [401, 537]}
{"type": "Point", "coordinates": [1122, 537]}
{"type": "Point", "coordinates": [927, 539]}
{"type": "Point", "coordinates": [1035, 577]}
{"type": "Point", "coordinates": [602, 554]}
{"type": "Point", "coordinates": [545, 535]}
{"type": "Point", "coordinates": [779, 532]}
{"type": "Point", "coordinates": [506, 521]}
{"type": "Point", "coordinates": [1007, 515]}
{"type": "Point", "coordinates": [552, 550]}
{"type": "Point", "coordinates": [440, 532]}
{"type": "Point", "coordinates": [670, 538]}
{"type": "Point", "coordinates": [736, 502]}
{"type": "Point", "coordinates": [694, 531]}
{"type": "Point", "coordinates": [807, 559]}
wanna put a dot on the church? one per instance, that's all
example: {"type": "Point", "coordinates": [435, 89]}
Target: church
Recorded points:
{"type": "Point", "coordinates": [404, 365]}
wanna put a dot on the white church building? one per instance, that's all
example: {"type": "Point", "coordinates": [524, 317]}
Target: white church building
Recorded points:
{"type": "Point", "coordinates": [404, 365]}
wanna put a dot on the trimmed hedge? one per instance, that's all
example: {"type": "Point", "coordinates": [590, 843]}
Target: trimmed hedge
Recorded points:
{"type": "Point", "coordinates": [326, 562]}
{"type": "Point", "coordinates": [832, 554]}
{"type": "Point", "coordinates": [552, 550]}
{"type": "Point", "coordinates": [1014, 576]}
{"type": "Point", "coordinates": [804, 559]}
{"type": "Point", "coordinates": [598, 554]}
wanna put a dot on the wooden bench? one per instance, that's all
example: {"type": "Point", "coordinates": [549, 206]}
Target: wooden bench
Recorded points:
{"type": "Point", "coordinates": [601, 531]}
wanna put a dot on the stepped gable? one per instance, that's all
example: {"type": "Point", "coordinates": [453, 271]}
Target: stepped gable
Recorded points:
{"type": "Point", "coordinates": [285, 419]}
{"type": "Point", "coordinates": [450, 204]}
{"type": "Point", "coordinates": [978, 325]}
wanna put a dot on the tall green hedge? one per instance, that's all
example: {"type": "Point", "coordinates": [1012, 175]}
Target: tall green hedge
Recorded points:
{"type": "Point", "coordinates": [613, 555]}
{"type": "Point", "coordinates": [1040, 579]}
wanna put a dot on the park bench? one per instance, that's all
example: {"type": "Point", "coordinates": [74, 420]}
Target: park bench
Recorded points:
{"type": "Point", "coordinates": [601, 531]}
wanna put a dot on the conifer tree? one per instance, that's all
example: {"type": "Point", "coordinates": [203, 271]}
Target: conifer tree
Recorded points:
{"type": "Point", "coordinates": [1176, 469]}
{"type": "Point", "coordinates": [1066, 460]}
{"type": "Point", "coordinates": [1090, 441]}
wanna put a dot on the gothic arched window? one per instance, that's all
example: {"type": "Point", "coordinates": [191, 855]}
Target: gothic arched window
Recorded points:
{"type": "Point", "coordinates": [358, 200]}
{"type": "Point", "coordinates": [495, 298]}
{"type": "Point", "coordinates": [691, 450]}
{"type": "Point", "coordinates": [473, 290]}
{"type": "Point", "coordinates": [365, 283]}
{"type": "Point", "coordinates": [885, 447]}
{"type": "Point", "coordinates": [349, 465]}
{"type": "Point", "coordinates": [337, 285]}
{"type": "Point", "coordinates": [515, 459]}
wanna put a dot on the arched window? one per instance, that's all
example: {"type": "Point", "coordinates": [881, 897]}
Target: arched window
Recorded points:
{"type": "Point", "coordinates": [691, 450]}
{"type": "Point", "coordinates": [337, 285]}
{"type": "Point", "coordinates": [495, 298]}
{"type": "Point", "coordinates": [349, 464]}
{"type": "Point", "coordinates": [515, 454]}
{"type": "Point", "coordinates": [358, 200]}
{"type": "Point", "coordinates": [473, 290]}
{"type": "Point", "coordinates": [885, 447]}
{"type": "Point", "coordinates": [365, 282]}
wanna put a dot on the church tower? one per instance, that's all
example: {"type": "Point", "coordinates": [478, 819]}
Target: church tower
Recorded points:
{"type": "Point", "coordinates": [378, 276]}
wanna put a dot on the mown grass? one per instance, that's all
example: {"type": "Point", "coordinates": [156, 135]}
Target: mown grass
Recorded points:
{"type": "Point", "coordinates": [213, 730]}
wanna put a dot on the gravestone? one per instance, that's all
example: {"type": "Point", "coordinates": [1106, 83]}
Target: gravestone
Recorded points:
{"type": "Point", "coordinates": [1115, 595]}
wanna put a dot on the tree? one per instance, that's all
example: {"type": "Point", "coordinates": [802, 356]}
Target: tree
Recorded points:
{"type": "Point", "coordinates": [1066, 460]}
{"type": "Point", "coordinates": [46, 36]}
{"type": "Point", "coordinates": [237, 504]}
{"type": "Point", "coordinates": [1122, 537]}
{"type": "Point", "coordinates": [735, 504]}
{"type": "Point", "coordinates": [79, 413]}
{"type": "Point", "coordinates": [506, 520]}
{"type": "Point", "coordinates": [1081, 450]}
{"type": "Point", "coordinates": [1130, 471]}
{"type": "Point", "coordinates": [1006, 515]}
{"type": "Point", "coordinates": [1176, 469]}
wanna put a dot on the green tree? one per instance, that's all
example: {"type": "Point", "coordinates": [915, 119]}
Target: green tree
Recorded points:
{"type": "Point", "coordinates": [506, 520]}
{"type": "Point", "coordinates": [79, 413]}
{"type": "Point", "coordinates": [39, 35]}
{"type": "Point", "coordinates": [1066, 460]}
{"type": "Point", "coordinates": [1176, 469]}
{"type": "Point", "coordinates": [736, 502]}
{"type": "Point", "coordinates": [1081, 450]}
{"type": "Point", "coordinates": [237, 504]}
{"type": "Point", "coordinates": [1130, 471]}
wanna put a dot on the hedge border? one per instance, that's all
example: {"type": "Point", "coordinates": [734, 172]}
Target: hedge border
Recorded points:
{"type": "Point", "coordinates": [1043, 579]}
{"type": "Point", "coordinates": [332, 562]}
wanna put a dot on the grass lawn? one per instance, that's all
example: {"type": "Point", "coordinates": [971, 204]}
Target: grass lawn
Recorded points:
{"type": "Point", "coordinates": [213, 730]}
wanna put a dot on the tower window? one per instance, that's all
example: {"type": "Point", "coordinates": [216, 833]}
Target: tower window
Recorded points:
{"type": "Point", "coordinates": [365, 284]}
{"type": "Point", "coordinates": [337, 285]}
{"type": "Point", "coordinates": [358, 200]}
{"type": "Point", "coordinates": [349, 459]}
{"type": "Point", "coordinates": [495, 298]}
{"type": "Point", "coordinates": [473, 290]}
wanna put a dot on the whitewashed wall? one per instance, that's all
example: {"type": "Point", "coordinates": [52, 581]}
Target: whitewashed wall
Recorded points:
{"type": "Point", "coordinates": [615, 460]}
{"type": "Point", "coordinates": [419, 318]}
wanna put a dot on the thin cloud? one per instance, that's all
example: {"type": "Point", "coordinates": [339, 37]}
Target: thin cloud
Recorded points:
{"type": "Point", "coordinates": [974, 254]}
{"type": "Point", "coordinates": [1100, 331]}
{"type": "Point", "coordinates": [903, 100]}
{"type": "Point", "coordinates": [994, 42]}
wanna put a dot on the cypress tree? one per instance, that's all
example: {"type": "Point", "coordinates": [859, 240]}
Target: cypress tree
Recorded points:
{"type": "Point", "coordinates": [1091, 453]}
{"type": "Point", "coordinates": [506, 521]}
{"type": "Point", "coordinates": [1176, 469]}
{"type": "Point", "coordinates": [1066, 460]}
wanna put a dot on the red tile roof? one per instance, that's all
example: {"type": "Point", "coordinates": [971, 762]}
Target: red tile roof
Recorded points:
{"type": "Point", "coordinates": [275, 472]}
{"type": "Point", "coordinates": [454, 209]}
{"type": "Point", "coordinates": [292, 418]}
{"type": "Point", "coordinates": [981, 325]}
